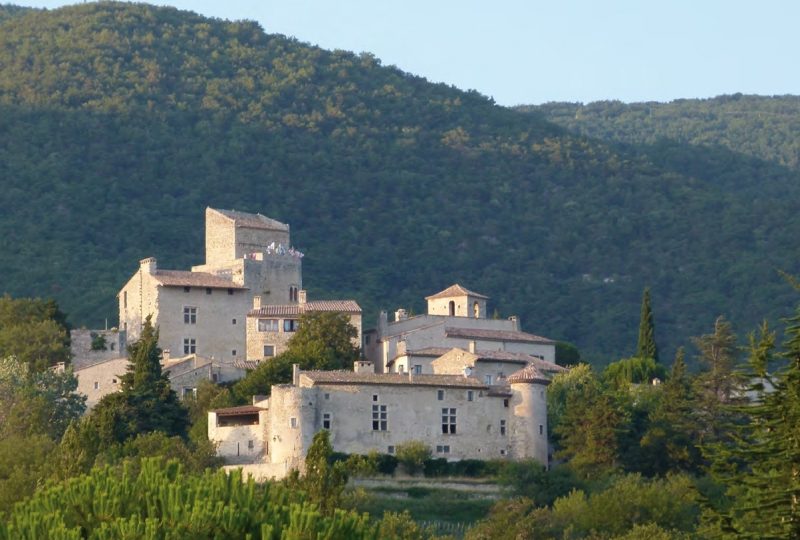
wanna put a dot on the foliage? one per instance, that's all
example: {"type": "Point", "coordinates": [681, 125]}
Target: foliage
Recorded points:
{"type": "Point", "coordinates": [98, 342]}
{"type": "Point", "coordinates": [646, 346]}
{"type": "Point", "coordinates": [323, 481]}
{"type": "Point", "coordinates": [412, 456]}
{"type": "Point", "coordinates": [532, 480]}
{"type": "Point", "coordinates": [567, 354]}
{"type": "Point", "coordinates": [324, 341]}
{"type": "Point", "coordinates": [24, 466]}
{"type": "Point", "coordinates": [209, 396]}
{"type": "Point", "coordinates": [759, 459]}
{"type": "Point", "coordinates": [146, 401]}
{"type": "Point", "coordinates": [223, 114]}
{"type": "Point", "coordinates": [637, 370]}
{"type": "Point", "coordinates": [163, 502]}
{"type": "Point", "coordinates": [33, 331]}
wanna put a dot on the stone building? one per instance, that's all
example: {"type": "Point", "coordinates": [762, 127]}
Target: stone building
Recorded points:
{"type": "Point", "coordinates": [456, 317]}
{"type": "Point", "coordinates": [269, 327]}
{"type": "Point", "coordinates": [89, 347]}
{"type": "Point", "coordinates": [467, 386]}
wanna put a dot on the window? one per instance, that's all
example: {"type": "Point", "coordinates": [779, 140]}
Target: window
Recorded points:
{"type": "Point", "coordinates": [233, 352]}
{"type": "Point", "coordinates": [366, 339]}
{"type": "Point", "coordinates": [125, 299]}
{"type": "Point", "coordinates": [189, 346]}
{"type": "Point", "coordinates": [189, 392]}
{"type": "Point", "coordinates": [505, 403]}
{"type": "Point", "coordinates": [476, 310]}
{"type": "Point", "coordinates": [326, 420]}
{"type": "Point", "coordinates": [214, 377]}
{"type": "Point", "coordinates": [449, 421]}
{"type": "Point", "coordinates": [327, 396]}
{"type": "Point", "coordinates": [502, 428]}
{"type": "Point", "coordinates": [390, 449]}
{"type": "Point", "coordinates": [401, 368]}
{"type": "Point", "coordinates": [111, 346]}
{"type": "Point", "coordinates": [417, 369]}
{"type": "Point", "coordinates": [96, 385]}
{"type": "Point", "coordinates": [233, 321]}
{"type": "Point", "coordinates": [442, 448]}
{"type": "Point", "coordinates": [267, 325]}
{"type": "Point", "coordinates": [230, 291]}
{"type": "Point", "coordinates": [189, 315]}
{"type": "Point", "coordinates": [269, 350]}
{"type": "Point", "coordinates": [541, 429]}
{"type": "Point", "coordinates": [293, 422]}
{"type": "Point", "coordinates": [502, 452]}
{"type": "Point", "coordinates": [374, 397]}
{"type": "Point", "coordinates": [487, 379]}
{"type": "Point", "coordinates": [470, 395]}
{"type": "Point", "coordinates": [290, 325]}
{"type": "Point", "coordinates": [379, 418]}
{"type": "Point", "coordinates": [113, 381]}
{"type": "Point", "coordinates": [208, 290]}
{"type": "Point", "coordinates": [440, 395]}
{"type": "Point", "coordinates": [187, 289]}
{"type": "Point", "coordinates": [250, 444]}
{"type": "Point", "coordinates": [452, 308]}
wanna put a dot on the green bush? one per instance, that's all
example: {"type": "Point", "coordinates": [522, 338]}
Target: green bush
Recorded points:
{"type": "Point", "coordinates": [412, 455]}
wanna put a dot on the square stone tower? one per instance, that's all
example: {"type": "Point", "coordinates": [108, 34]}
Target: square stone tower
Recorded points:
{"type": "Point", "coordinates": [456, 301]}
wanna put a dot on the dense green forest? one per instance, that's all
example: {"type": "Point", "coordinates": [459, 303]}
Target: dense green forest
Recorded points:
{"type": "Point", "coordinates": [120, 123]}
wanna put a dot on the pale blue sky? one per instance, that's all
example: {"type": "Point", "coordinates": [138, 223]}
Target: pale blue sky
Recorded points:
{"type": "Point", "coordinates": [560, 50]}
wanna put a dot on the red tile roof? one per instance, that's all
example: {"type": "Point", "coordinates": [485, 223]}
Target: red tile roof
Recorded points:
{"type": "Point", "coordinates": [528, 374]}
{"type": "Point", "coordinates": [455, 290]}
{"type": "Point", "coordinates": [393, 379]}
{"type": "Point", "coordinates": [183, 278]}
{"type": "Point", "coordinates": [496, 335]}
{"type": "Point", "coordinates": [316, 306]}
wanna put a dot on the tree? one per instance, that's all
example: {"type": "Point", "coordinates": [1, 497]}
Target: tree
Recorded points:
{"type": "Point", "coordinates": [34, 331]}
{"type": "Point", "coordinates": [146, 402]}
{"type": "Point", "coordinates": [759, 462]}
{"type": "Point", "coordinates": [646, 345]}
{"type": "Point", "coordinates": [412, 455]}
{"type": "Point", "coordinates": [323, 482]}
{"type": "Point", "coordinates": [324, 341]}
{"type": "Point", "coordinates": [567, 354]}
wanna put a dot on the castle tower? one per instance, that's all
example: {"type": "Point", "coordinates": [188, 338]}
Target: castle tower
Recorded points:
{"type": "Point", "coordinates": [529, 415]}
{"type": "Point", "coordinates": [456, 301]}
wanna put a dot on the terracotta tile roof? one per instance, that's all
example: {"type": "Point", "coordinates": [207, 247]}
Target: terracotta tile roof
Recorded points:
{"type": "Point", "coordinates": [253, 221]}
{"type": "Point", "coordinates": [315, 306]}
{"type": "Point", "coordinates": [528, 374]}
{"type": "Point", "coordinates": [245, 364]}
{"type": "Point", "coordinates": [496, 335]}
{"type": "Point", "coordinates": [183, 278]}
{"type": "Point", "coordinates": [455, 290]}
{"type": "Point", "coordinates": [238, 411]}
{"type": "Point", "coordinates": [522, 358]}
{"type": "Point", "coordinates": [393, 379]}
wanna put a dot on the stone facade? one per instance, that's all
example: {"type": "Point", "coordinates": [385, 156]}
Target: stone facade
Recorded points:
{"type": "Point", "coordinates": [203, 311]}
{"type": "Point", "coordinates": [100, 379]}
{"type": "Point", "coordinates": [389, 345]}
{"type": "Point", "coordinates": [270, 327]}
{"type": "Point", "coordinates": [114, 345]}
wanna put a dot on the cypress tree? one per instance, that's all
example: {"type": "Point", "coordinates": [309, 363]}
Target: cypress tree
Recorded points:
{"type": "Point", "coordinates": [646, 346]}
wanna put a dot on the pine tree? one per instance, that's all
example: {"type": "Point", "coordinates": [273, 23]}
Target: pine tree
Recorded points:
{"type": "Point", "coordinates": [646, 346]}
{"type": "Point", "coordinates": [760, 462]}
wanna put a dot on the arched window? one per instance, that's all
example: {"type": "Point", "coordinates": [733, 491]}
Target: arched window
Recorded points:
{"type": "Point", "coordinates": [452, 308]}
{"type": "Point", "coordinates": [476, 310]}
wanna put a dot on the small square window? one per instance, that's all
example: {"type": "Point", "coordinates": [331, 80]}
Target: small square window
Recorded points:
{"type": "Point", "coordinates": [417, 369]}
{"type": "Point", "coordinates": [233, 321]}
{"type": "Point", "coordinates": [374, 397]}
{"type": "Point", "coordinates": [505, 403]}
{"type": "Point", "coordinates": [96, 385]}
{"type": "Point", "coordinates": [487, 379]}
{"type": "Point", "coordinates": [208, 290]}
{"type": "Point", "coordinates": [233, 352]}
{"type": "Point", "coordinates": [230, 291]}
{"type": "Point", "coordinates": [269, 350]}
{"type": "Point", "coordinates": [293, 423]}
{"type": "Point", "coordinates": [250, 444]}
{"type": "Point", "coordinates": [440, 395]}
{"type": "Point", "coordinates": [327, 396]}
{"type": "Point", "coordinates": [502, 452]}
{"type": "Point", "coordinates": [390, 449]}
{"type": "Point", "coordinates": [187, 289]}
{"type": "Point", "coordinates": [114, 381]}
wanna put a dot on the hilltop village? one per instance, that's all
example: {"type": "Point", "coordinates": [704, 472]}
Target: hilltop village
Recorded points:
{"type": "Point", "coordinates": [466, 385]}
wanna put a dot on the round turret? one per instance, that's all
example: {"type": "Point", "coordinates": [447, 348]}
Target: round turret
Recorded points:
{"type": "Point", "coordinates": [529, 399]}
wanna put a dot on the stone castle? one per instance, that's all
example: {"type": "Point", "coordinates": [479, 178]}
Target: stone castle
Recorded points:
{"type": "Point", "coordinates": [466, 385]}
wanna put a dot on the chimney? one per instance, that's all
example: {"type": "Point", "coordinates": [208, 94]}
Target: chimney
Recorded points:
{"type": "Point", "coordinates": [296, 374]}
{"type": "Point", "coordinates": [383, 323]}
{"type": "Point", "coordinates": [514, 319]}
{"type": "Point", "coordinates": [257, 302]}
{"type": "Point", "coordinates": [472, 346]}
{"type": "Point", "coordinates": [400, 315]}
{"type": "Point", "coordinates": [363, 366]}
{"type": "Point", "coordinates": [148, 265]}
{"type": "Point", "coordinates": [301, 296]}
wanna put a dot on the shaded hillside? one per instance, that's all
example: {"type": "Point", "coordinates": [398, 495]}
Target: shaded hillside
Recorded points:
{"type": "Point", "coordinates": [119, 123]}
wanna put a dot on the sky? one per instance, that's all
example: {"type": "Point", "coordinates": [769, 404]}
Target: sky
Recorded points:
{"type": "Point", "coordinates": [532, 52]}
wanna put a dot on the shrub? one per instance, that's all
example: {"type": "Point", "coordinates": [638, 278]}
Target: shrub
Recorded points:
{"type": "Point", "coordinates": [412, 455]}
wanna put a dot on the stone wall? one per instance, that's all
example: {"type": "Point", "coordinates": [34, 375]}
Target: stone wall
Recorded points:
{"type": "Point", "coordinates": [240, 443]}
{"type": "Point", "coordinates": [81, 346]}
{"type": "Point", "coordinates": [220, 238]}
{"type": "Point", "coordinates": [100, 379]}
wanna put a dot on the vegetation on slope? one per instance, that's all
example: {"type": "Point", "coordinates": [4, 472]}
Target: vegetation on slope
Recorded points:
{"type": "Point", "coordinates": [119, 123]}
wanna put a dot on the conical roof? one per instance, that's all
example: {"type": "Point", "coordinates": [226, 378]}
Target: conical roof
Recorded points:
{"type": "Point", "coordinates": [528, 374]}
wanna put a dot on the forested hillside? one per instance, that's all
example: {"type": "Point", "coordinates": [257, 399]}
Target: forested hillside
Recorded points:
{"type": "Point", "coordinates": [120, 123]}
